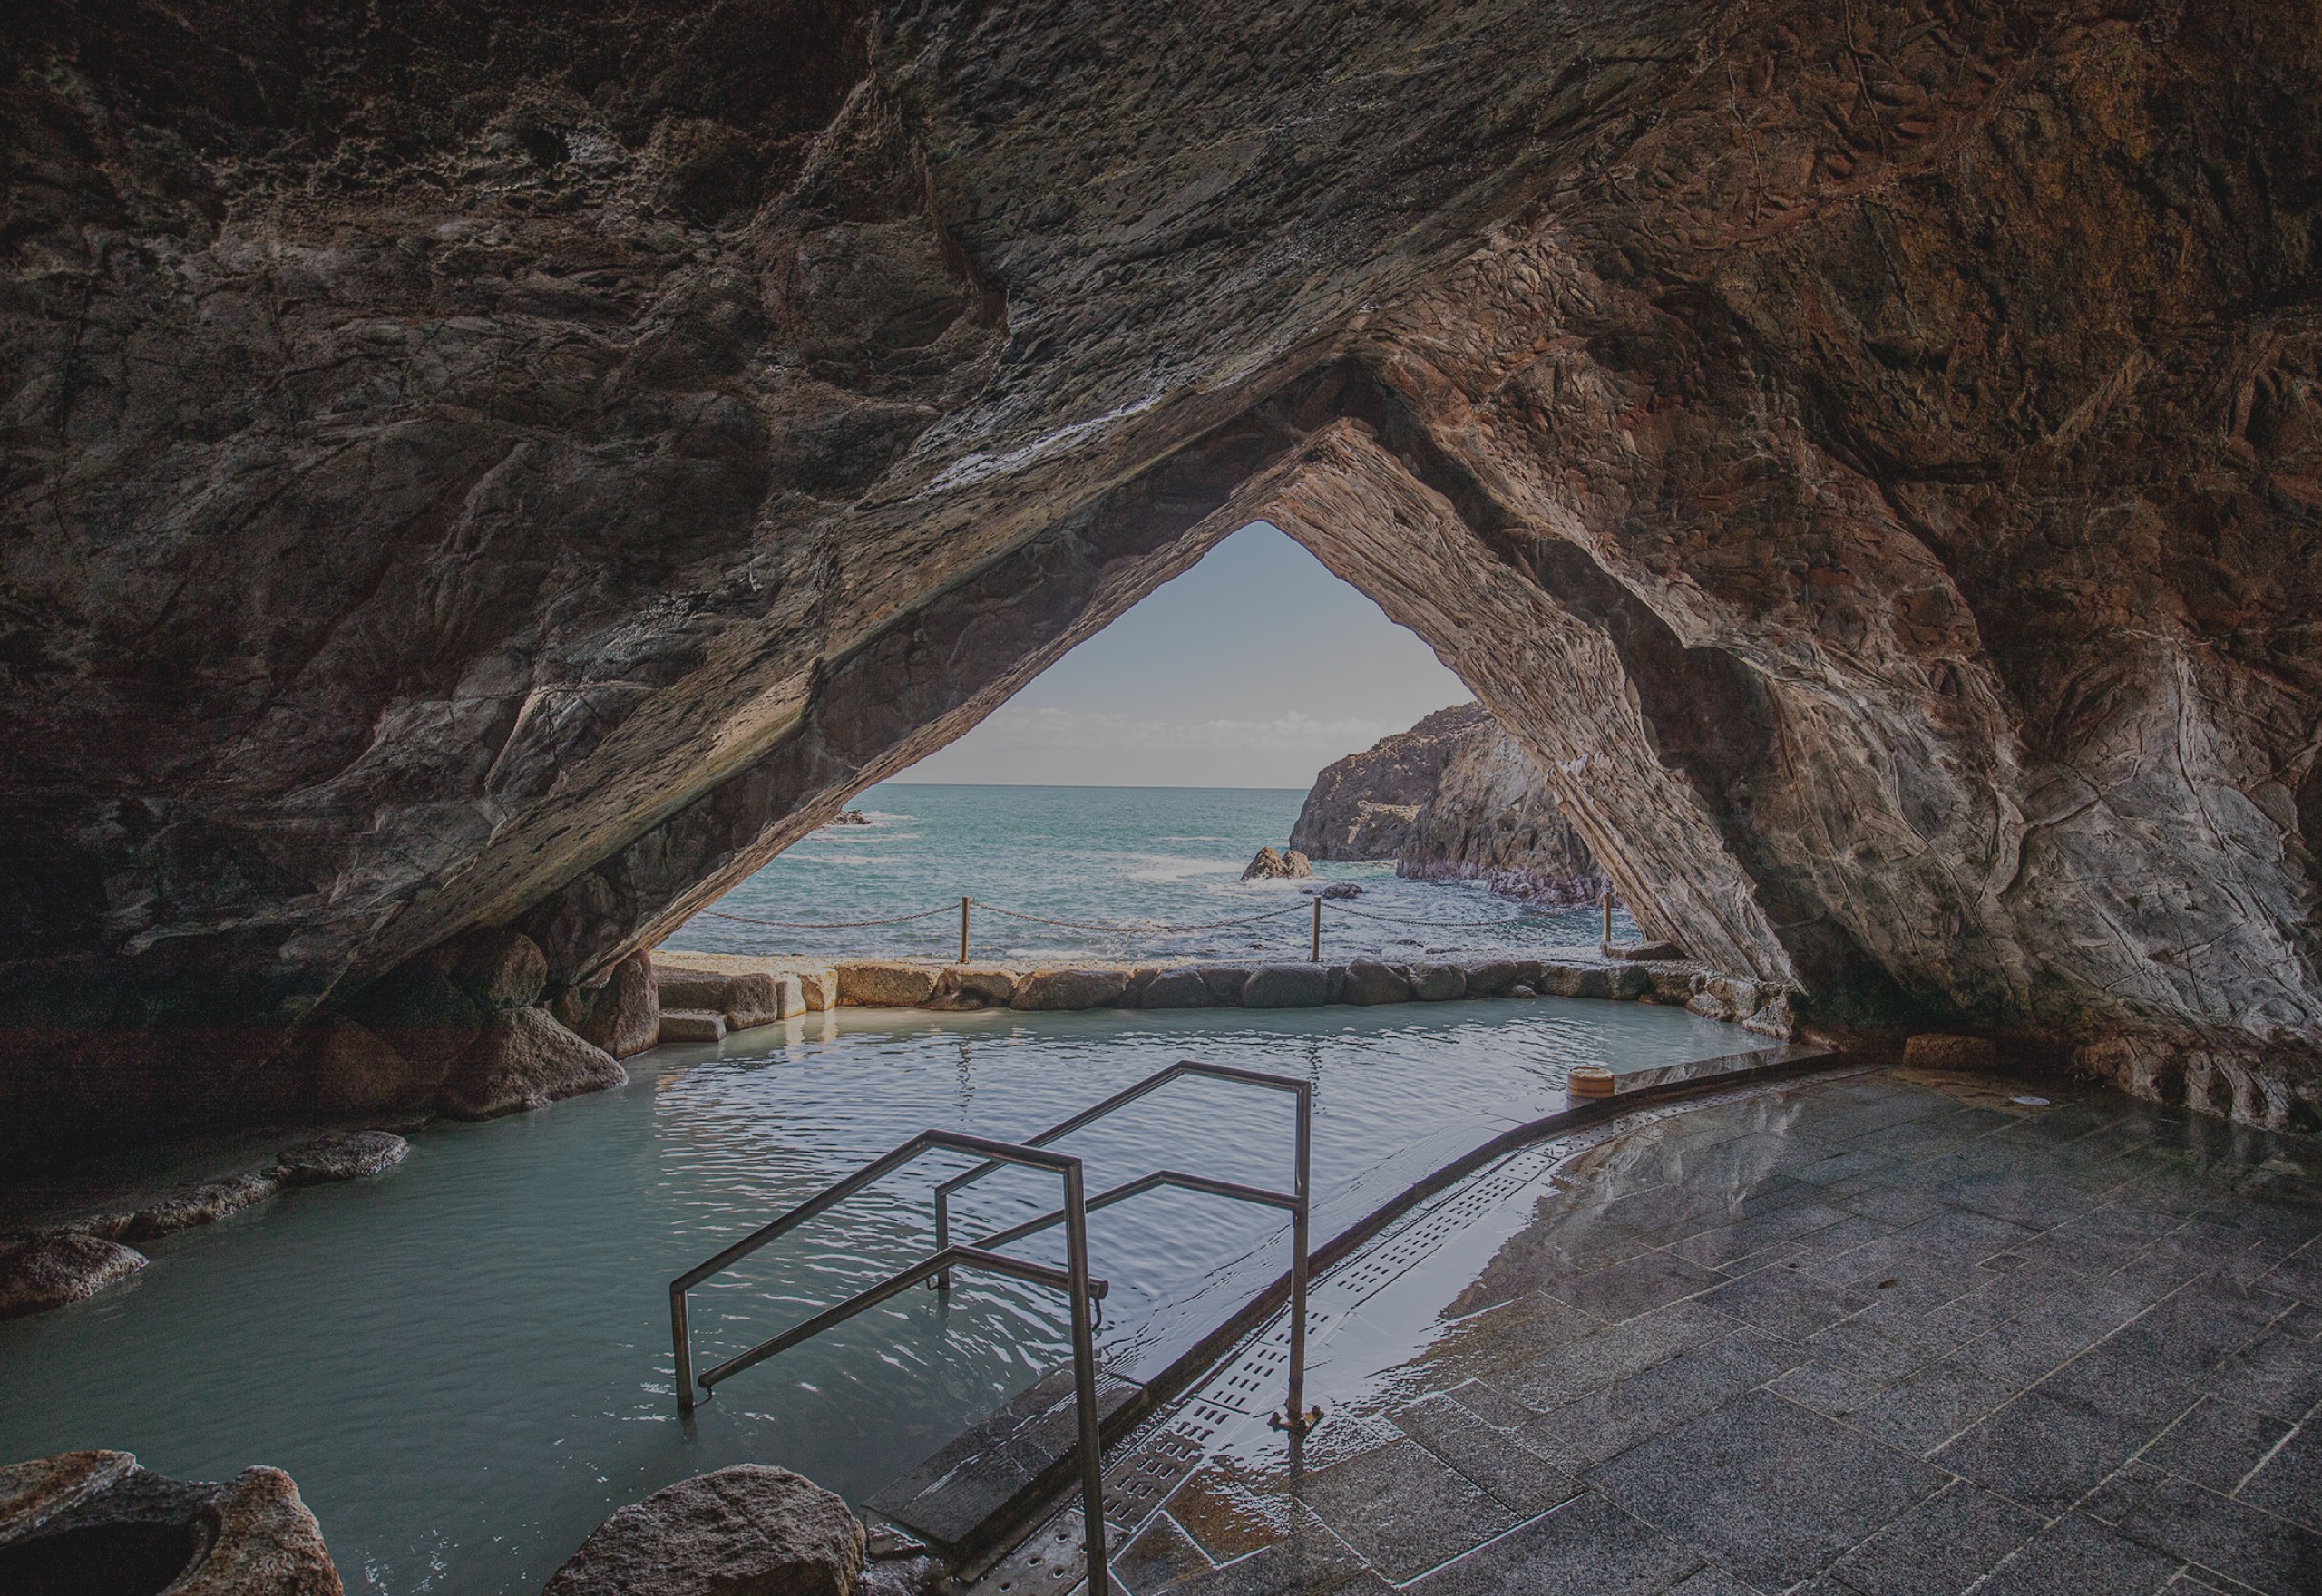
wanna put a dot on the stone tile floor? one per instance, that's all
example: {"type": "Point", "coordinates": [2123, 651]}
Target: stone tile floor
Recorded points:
{"type": "Point", "coordinates": [1877, 1334]}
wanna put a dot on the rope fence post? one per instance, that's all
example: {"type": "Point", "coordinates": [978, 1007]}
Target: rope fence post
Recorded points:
{"type": "Point", "coordinates": [1315, 953]}
{"type": "Point", "coordinates": [963, 929]}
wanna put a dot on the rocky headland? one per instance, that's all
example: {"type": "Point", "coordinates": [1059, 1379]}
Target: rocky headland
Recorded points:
{"type": "Point", "coordinates": [1455, 798]}
{"type": "Point", "coordinates": [480, 471]}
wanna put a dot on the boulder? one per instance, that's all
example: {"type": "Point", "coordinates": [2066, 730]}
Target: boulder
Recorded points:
{"type": "Point", "coordinates": [1336, 976]}
{"type": "Point", "coordinates": [1628, 982]}
{"type": "Point", "coordinates": [61, 1266]}
{"type": "Point", "coordinates": [1177, 988]}
{"type": "Point", "coordinates": [1570, 980]}
{"type": "Point", "coordinates": [1337, 891]}
{"type": "Point", "coordinates": [203, 1203]}
{"type": "Point", "coordinates": [691, 989]}
{"type": "Point", "coordinates": [1646, 952]}
{"type": "Point", "coordinates": [1286, 986]}
{"type": "Point", "coordinates": [356, 1071]}
{"type": "Point", "coordinates": [819, 987]}
{"type": "Point", "coordinates": [1224, 982]}
{"type": "Point", "coordinates": [1673, 984]}
{"type": "Point", "coordinates": [1369, 981]}
{"type": "Point", "coordinates": [1270, 865]}
{"type": "Point", "coordinates": [758, 998]}
{"type": "Point", "coordinates": [498, 969]}
{"type": "Point", "coordinates": [1069, 988]}
{"type": "Point", "coordinates": [621, 1012]}
{"type": "Point", "coordinates": [991, 985]}
{"type": "Point", "coordinates": [692, 1025]}
{"type": "Point", "coordinates": [1522, 990]}
{"type": "Point", "coordinates": [1495, 976]}
{"type": "Point", "coordinates": [1935, 1050]}
{"type": "Point", "coordinates": [1437, 983]}
{"type": "Point", "coordinates": [743, 1530]}
{"type": "Point", "coordinates": [95, 1522]}
{"type": "Point", "coordinates": [427, 1017]}
{"type": "Point", "coordinates": [1134, 989]}
{"type": "Point", "coordinates": [525, 1059]}
{"type": "Point", "coordinates": [338, 1155]}
{"type": "Point", "coordinates": [883, 984]}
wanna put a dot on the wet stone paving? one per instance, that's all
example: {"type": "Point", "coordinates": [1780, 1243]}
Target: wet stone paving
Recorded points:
{"type": "Point", "coordinates": [1884, 1333]}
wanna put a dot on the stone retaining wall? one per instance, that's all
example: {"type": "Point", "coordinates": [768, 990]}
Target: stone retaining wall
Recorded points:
{"type": "Point", "coordinates": [810, 987]}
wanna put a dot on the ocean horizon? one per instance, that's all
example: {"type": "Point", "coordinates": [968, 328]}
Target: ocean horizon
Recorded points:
{"type": "Point", "coordinates": [1060, 873]}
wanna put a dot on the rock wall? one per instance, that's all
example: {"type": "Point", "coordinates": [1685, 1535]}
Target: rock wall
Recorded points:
{"type": "Point", "coordinates": [1454, 798]}
{"type": "Point", "coordinates": [468, 465]}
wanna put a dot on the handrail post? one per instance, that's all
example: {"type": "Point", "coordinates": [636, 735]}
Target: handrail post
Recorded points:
{"type": "Point", "coordinates": [681, 1338]}
{"type": "Point", "coordinates": [1316, 952]}
{"type": "Point", "coordinates": [1298, 1421]}
{"type": "Point", "coordinates": [1083, 1381]}
{"type": "Point", "coordinates": [964, 927]}
{"type": "Point", "coordinates": [943, 1281]}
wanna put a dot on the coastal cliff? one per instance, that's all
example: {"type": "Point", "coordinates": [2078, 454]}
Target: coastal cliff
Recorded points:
{"type": "Point", "coordinates": [1453, 798]}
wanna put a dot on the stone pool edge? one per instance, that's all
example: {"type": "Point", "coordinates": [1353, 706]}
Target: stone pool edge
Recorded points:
{"type": "Point", "coordinates": [1032, 1414]}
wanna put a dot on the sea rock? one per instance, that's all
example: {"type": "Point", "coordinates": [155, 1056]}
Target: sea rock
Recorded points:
{"type": "Point", "coordinates": [204, 1202]}
{"type": "Point", "coordinates": [620, 1013]}
{"type": "Point", "coordinates": [1646, 952]}
{"type": "Point", "coordinates": [818, 985]}
{"type": "Point", "coordinates": [1369, 981]}
{"type": "Point", "coordinates": [1139, 979]}
{"type": "Point", "coordinates": [523, 1060]}
{"type": "Point", "coordinates": [356, 1071]}
{"type": "Point", "coordinates": [1068, 988]}
{"type": "Point", "coordinates": [1286, 986]}
{"type": "Point", "coordinates": [1673, 983]}
{"type": "Point", "coordinates": [1269, 865]}
{"type": "Point", "coordinates": [692, 1025]}
{"type": "Point", "coordinates": [1178, 988]}
{"type": "Point", "coordinates": [500, 969]}
{"type": "Point", "coordinates": [1522, 990]}
{"type": "Point", "coordinates": [339, 1155]}
{"type": "Point", "coordinates": [59, 1267]}
{"type": "Point", "coordinates": [884, 983]}
{"type": "Point", "coordinates": [747, 1529]}
{"type": "Point", "coordinates": [1337, 891]}
{"type": "Point", "coordinates": [849, 817]}
{"type": "Point", "coordinates": [1935, 1050]}
{"type": "Point", "coordinates": [1364, 806]}
{"type": "Point", "coordinates": [1437, 983]}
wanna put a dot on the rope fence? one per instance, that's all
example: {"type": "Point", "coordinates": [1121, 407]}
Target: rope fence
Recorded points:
{"type": "Point", "coordinates": [1135, 928]}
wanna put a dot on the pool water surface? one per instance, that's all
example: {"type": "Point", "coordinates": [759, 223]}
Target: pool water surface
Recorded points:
{"type": "Point", "coordinates": [465, 1362]}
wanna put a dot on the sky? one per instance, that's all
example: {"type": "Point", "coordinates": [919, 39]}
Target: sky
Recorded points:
{"type": "Point", "coordinates": [1256, 668]}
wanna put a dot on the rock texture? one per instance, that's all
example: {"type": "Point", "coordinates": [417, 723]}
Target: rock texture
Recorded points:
{"type": "Point", "coordinates": [1454, 798]}
{"type": "Point", "coordinates": [47, 1271]}
{"type": "Point", "coordinates": [95, 1521]}
{"type": "Point", "coordinates": [525, 1059]}
{"type": "Point", "coordinates": [1272, 865]}
{"type": "Point", "coordinates": [747, 1529]}
{"type": "Point", "coordinates": [339, 1155]}
{"type": "Point", "coordinates": [479, 466]}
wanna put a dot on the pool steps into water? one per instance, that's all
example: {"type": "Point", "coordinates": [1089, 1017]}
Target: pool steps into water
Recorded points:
{"type": "Point", "coordinates": [972, 1500]}
{"type": "Point", "coordinates": [1080, 1289]}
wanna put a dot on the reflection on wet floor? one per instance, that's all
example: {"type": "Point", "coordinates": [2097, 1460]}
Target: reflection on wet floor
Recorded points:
{"type": "Point", "coordinates": [1888, 1332]}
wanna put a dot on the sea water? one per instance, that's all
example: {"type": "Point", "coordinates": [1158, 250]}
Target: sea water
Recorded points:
{"type": "Point", "coordinates": [1143, 858]}
{"type": "Point", "coordinates": [465, 1363]}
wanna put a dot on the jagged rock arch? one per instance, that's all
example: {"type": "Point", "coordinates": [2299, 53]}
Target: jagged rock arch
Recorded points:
{"type": "Point", "coordinates": [470, 467]}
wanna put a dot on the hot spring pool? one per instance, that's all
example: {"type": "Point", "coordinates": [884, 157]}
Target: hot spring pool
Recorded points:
{"type": "Point", "coordinates": [465, 1362]}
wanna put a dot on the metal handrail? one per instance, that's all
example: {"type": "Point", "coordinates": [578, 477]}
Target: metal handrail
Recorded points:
{"type": "Point", "coordinates": [1073, 1280]}
{"type": "Point", "coordinates": [1294, 1418]}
